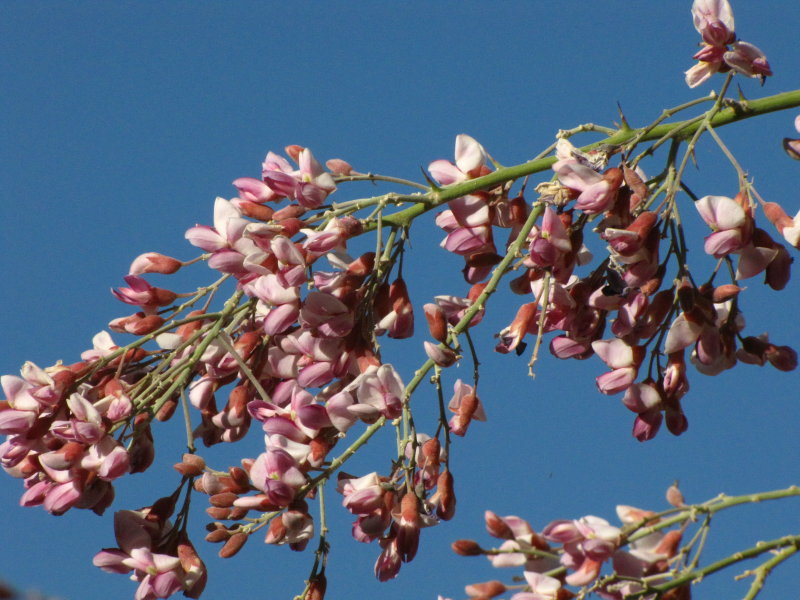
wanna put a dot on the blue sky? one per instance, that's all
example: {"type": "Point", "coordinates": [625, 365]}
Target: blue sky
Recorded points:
{"type": "Point", "coordinates": [124, 120]}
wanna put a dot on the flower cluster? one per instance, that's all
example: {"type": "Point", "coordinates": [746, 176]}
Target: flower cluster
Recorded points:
{"type": "Point", "coordinates": [160, 558]}
{"type": "Point", "coordinates": [59, 436]}
{"type": "Point", "coordinates": [720, 50]}
{"type": "Point", "coordinates": [573, 553]}
{"type": "Point", "coordinates": [296, 348]}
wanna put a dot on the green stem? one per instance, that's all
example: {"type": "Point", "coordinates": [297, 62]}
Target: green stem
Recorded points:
{"type": "Point", "coordinates": [735, 111]}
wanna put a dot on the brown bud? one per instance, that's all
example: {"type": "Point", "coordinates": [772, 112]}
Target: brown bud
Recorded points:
{"type": "Point", "coordinates": [409, 508]}
{"type": "Point", "coordinates": [254, 210]}
{"type": "Point", "coordinates": [487, 589]}
{"type": "Point", "coordinates": [153, 262]}
{"type": "Point", "coordinates": [219, 513]}
{"type": "Point", "coordinates": [191, 465]}
{"type": "Point", "coordinates": [144, 325]}
{"type": "Point", "coordinates": [351, 226]}
{"type": "Point", "coordinates": [218, 535]}
{"type": "Point", "coordinates": [167, 410]}
{"type": "Point", "coordinates": [233, 545]}
{"type": "Point", "coordinates": [292, 211]}
{"type": "Point", "coordinates": [363, 265]}
{"type": "Point", "coordinates": [276, 532]}
{"type": "Point", "coordinates": [779, 269]}
{"type": "Point", "coordinates": [466, 548]}
{"type": "Point", "coordinates": [317, 587]}
{"type": "Point", "coordinates": [437, 324]}
{"type": "Point", "coordinates": [497, 527]}
{"type": "Point", "coordinates": [446, 506]}
{"type": "Point", "coordinates": [783, 358]}
{"type": "Point", "coordinates": [683, 592]}
{"type": "Point", "coordinates": [163, 297]}
{"type": "Point", "coordinates": [223, 500]}
{"type": "Point", "coordinates": [635, 182]}
{"type": "Point", "coordinates": [237, 513]}
{"type": "Point", "coordinates": [187, 329]}
{"type": "Point", "coordinates": [430, 452]}
{"type": "Point", "coordinates": [469, 404]}
{"type": "Point", "coordinates": [162, 508]}
{"type": "Point", "coordinates": [476, 290]}
{"type": "Point", "coordinates": [239, 479]}
{"type": "Point", "coordinates": [669, 544]}
{"type": "Point", "coordinates": [483, 259]}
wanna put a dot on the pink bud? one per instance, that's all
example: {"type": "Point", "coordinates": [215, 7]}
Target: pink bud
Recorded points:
{"type": "Point", "coordinates": [674, 496]}
{"type": "Point", "coordinates": [153, 262]}
{"type": "Point", "coordinates": [337, 166]}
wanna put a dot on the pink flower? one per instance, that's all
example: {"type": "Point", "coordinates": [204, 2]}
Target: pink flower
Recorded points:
{"type": "Point", "coordinates": [309, 185]}
{"type": "Point", "coordinates": [623, 359]}
{"type": "Point", "coordinates": [141, 293]}
{"type": "Point", "coordinates": [379, 392]}
{"type": "Point", "coordinates": [713, 20]}
{"type": "Point", "coordinates": [466, 405]}
{"type": "Point", "coordinates": [470, 162]}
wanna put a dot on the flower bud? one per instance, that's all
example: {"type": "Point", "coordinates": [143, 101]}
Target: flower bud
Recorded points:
{"type": "Point", "coordinates": [219, 513]}
{"type": "Point", "coordinates": [317, 585]}
{"type": "Point", "coordinates": [466, 548]}
{"type": "Point", "coordinates": [218, 535]}
{"type": "Point", "coordinates": [446, 506]}
{"type": "Point", "coordinates": [337, 166]}
{"type": "Point", "coordinates": [233, 545]}
{"type": "Point", "coordinates": [223, 499]}
{"type": "Point", "coordinates": [725, 292]}
{"type": "Point", "coordinates": [292, 211]}
{"type": "Point", "coordinates": [191, 465]}
{"type": "Point", "coordinates": [437, 322]}
{"type": "Point", "coordinates": [167, 410]}
{"type": "Point", "coordinates": [153, 262]}
{"type": "Point", "coordinates": [254, 210]}
{"type": "Point", "coordinates": [497, 527]}
{"type": "Point", "coordinates": [442, 357]}
{"type": "Point", "coordinates": [487, 589]}
{"type": "Point", "coordinates": [674, 496]}
{"type": "Point", "coordinates": [782, 358]}
{"type": "Point", "coordinates": [669, 544]}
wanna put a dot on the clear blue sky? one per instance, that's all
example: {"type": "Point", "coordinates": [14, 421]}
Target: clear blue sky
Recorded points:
{"type": "Point", "coordinates": [122, 122]}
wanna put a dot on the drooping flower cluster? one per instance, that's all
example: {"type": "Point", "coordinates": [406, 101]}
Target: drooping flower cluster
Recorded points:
{"type": "Point", "coordinates": [160, 558]}
{"type": "Point", "coordinates": [296, 349]}
{"type": "Point", "coordinates": [720, 50]}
